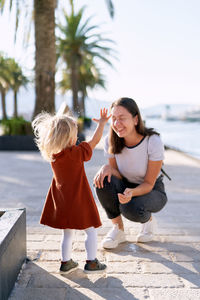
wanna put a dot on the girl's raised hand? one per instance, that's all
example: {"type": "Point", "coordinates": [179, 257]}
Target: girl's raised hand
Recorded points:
{"type": "Point", "coordinates": [103, 116]}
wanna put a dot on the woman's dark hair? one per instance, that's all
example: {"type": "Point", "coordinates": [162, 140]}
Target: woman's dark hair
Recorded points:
{"type": "Point", "coordinates": [116, 144]}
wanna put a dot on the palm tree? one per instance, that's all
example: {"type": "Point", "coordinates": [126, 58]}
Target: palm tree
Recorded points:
{"type": "Point", "coordinates": [45, 56]}
{"type": "Point", "coordinates": [110, 8]}
{"type": "Point", "coordinates": [64, 84]}
{"type": "Point", "coordinates": [89, 77]}
{"type": "Point", "coordinates": [11, 77]}
{"type": "Point", "coordinates": [76, 44]}
{"type": "Point", "coordinates": [17, 80]}
{"type": "Point", "coordinates": [4, 83]}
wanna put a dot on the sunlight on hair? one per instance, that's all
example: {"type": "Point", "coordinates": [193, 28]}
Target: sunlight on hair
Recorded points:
{"type": "Point", "coordinates": [53, 133]}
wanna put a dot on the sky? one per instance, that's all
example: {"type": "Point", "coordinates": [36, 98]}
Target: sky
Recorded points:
{"type": "Point", "coordinates": [157, 44]}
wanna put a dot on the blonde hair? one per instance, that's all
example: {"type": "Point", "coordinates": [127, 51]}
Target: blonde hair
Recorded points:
{"type": "Point", "coordinates": [53, 133]}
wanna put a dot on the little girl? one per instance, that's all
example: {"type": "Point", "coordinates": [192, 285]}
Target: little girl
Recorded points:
{"type": "Point", "coordinates": [69, 203]}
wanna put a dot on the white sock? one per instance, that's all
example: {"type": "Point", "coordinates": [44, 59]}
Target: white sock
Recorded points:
{"type": "Point", "coordinates": [66, 244]}
{"type": "Point", "coordinates": [91, 243]}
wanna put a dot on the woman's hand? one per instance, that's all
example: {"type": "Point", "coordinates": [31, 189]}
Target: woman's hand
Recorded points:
{"type": "Point", "coordinates": [126, 196]}
{"type": "Point", "coordinates": [105, 170]}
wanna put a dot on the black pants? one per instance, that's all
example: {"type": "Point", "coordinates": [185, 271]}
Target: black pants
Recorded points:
{"type": "Point", "coordinates": [139, 208]}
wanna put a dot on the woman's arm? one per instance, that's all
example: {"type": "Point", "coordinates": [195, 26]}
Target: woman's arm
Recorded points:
{"type": "Point", "coordinates": [106, 170]}
{"type": "Point", "coordinates": [153, 170]}
{"type": "Point", "coordinates": [114, 168]}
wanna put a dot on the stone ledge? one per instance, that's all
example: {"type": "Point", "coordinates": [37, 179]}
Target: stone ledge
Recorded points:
{"type": "Point", "coordinates": [12, 247]}
{"type": "Point", "coordinates": [17, 143]}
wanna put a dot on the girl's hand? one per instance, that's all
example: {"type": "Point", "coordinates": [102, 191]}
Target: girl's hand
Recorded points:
{"type": "Point", "coordinates": [103, 116]}
{"type": "Point", "coordinates": [105, 170]}
{"type": "Point", "coordinates": [126, 196]}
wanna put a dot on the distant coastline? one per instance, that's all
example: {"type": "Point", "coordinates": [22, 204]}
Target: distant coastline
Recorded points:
{"type": "Point", "coordinates": [182, 152]}
{"type": "Point", "coordinates": [181, 136]}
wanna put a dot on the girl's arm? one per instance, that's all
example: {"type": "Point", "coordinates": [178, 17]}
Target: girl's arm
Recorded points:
{"type": "Point", "coordinates": [153, 170]}
{"type": "Point", "coordinates": [100, 127]}
{"type": "Point", "coordinates": [106, 170]}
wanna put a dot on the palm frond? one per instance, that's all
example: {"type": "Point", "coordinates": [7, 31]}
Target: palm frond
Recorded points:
{"type": "Point", "coordinates": [80, 46]}
{"type": "Point", "coordinates": [110, 8]}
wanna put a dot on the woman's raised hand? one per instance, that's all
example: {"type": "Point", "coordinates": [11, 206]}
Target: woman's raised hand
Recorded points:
{"type": "Point", "coordinates": [105, 170]}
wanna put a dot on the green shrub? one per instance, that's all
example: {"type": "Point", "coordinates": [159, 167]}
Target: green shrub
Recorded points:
{"type": "Point", "coordinates": [80, 124]}
{"type": "Point", "coordinates": [16, 126]}
{"type": "Point", "coordinates": [86, 121]}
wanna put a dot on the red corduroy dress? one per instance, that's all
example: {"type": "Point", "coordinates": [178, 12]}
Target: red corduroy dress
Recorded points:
{"type": "Point", "coordinates": [69, 202]}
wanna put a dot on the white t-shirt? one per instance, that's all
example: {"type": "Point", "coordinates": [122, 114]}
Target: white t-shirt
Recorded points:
{"type": "Point", "coordinates": [132, 161]}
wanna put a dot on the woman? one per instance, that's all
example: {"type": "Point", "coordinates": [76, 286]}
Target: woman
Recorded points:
{"type": "Point", "coordinates": [131, 183]}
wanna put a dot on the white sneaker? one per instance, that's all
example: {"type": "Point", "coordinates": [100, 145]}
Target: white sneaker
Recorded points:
{"type": "Point", "coordinates": [147, 231]}
{"type": "Point", "coordinates": [113, 238]}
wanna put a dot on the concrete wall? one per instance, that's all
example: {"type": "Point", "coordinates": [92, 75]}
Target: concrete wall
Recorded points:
{"type": "Point", "coordinates": [12, 248]}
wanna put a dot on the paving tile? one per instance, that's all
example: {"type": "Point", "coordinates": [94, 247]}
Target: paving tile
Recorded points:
{"type": "Point", "coordinates": [165, 269]}
{"type": "Point", "coordinates": [40, 293]}
{"type": "Point", "coordinates": [175, 294]}
{"type": "Point", "coordinates": [170, 267]}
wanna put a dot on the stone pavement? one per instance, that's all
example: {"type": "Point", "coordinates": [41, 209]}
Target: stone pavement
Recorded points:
{"type": "Point", "coordinates": [165, 269]}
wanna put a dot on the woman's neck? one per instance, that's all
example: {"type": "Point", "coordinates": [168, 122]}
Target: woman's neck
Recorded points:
{"type": "Point", "coordinates": [133, 139]}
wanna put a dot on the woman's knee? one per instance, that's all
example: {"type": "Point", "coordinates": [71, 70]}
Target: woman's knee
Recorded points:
{"type": "Point", "coordinates": [108, 196]}
{"type": "Point", "coordinates": [114, 181]}
{"type": "Point", "coordinates": [115, 185]}
{"type": "Point", "coordinates": [104, 192]}
{"type": "Point", "coordinates": [157, 201]}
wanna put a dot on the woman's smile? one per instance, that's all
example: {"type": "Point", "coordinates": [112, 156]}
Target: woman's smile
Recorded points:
{"type": "Point", "coordinates": [122, 121]}
{"type": "Point", "coordinates": [120, 131]}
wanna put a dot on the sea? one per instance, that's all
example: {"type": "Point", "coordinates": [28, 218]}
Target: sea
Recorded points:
{"type": "Point", "coordinates": [177, 134]}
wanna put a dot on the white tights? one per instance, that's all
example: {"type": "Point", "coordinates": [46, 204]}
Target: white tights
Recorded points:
{"type": "Point", "coordinates": [90, 243]}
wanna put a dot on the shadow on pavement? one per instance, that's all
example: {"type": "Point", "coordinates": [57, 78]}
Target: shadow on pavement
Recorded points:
{"type": "Point", "coordinates": [108, 287]}
{"type": "Point", "coordinates": [35, 282]}
{"type": "Point", "coordinates": [178, 254]}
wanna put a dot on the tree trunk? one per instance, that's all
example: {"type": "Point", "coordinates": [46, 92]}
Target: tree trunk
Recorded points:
{"type": "Point", "coordinates": [82, 105]}
{"type": "Point", "coordinates": [74, 85]}
{"type": "Point", "coordinates": [45, 55]}
{"type": "Point", "coordinates": [15, 105]}
{"type": "Point", "coordinates": [3, 102]}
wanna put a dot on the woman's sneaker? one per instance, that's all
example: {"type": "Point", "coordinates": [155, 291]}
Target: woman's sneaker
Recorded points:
{"type": "Point", "coordinates": [113, 238]}
{"type": "Point", "coordinates": [94, 266]}
{"type": "Point", "coordinates": [68, 266]}
{"type": "Point", "coordinates": [147, 231]}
